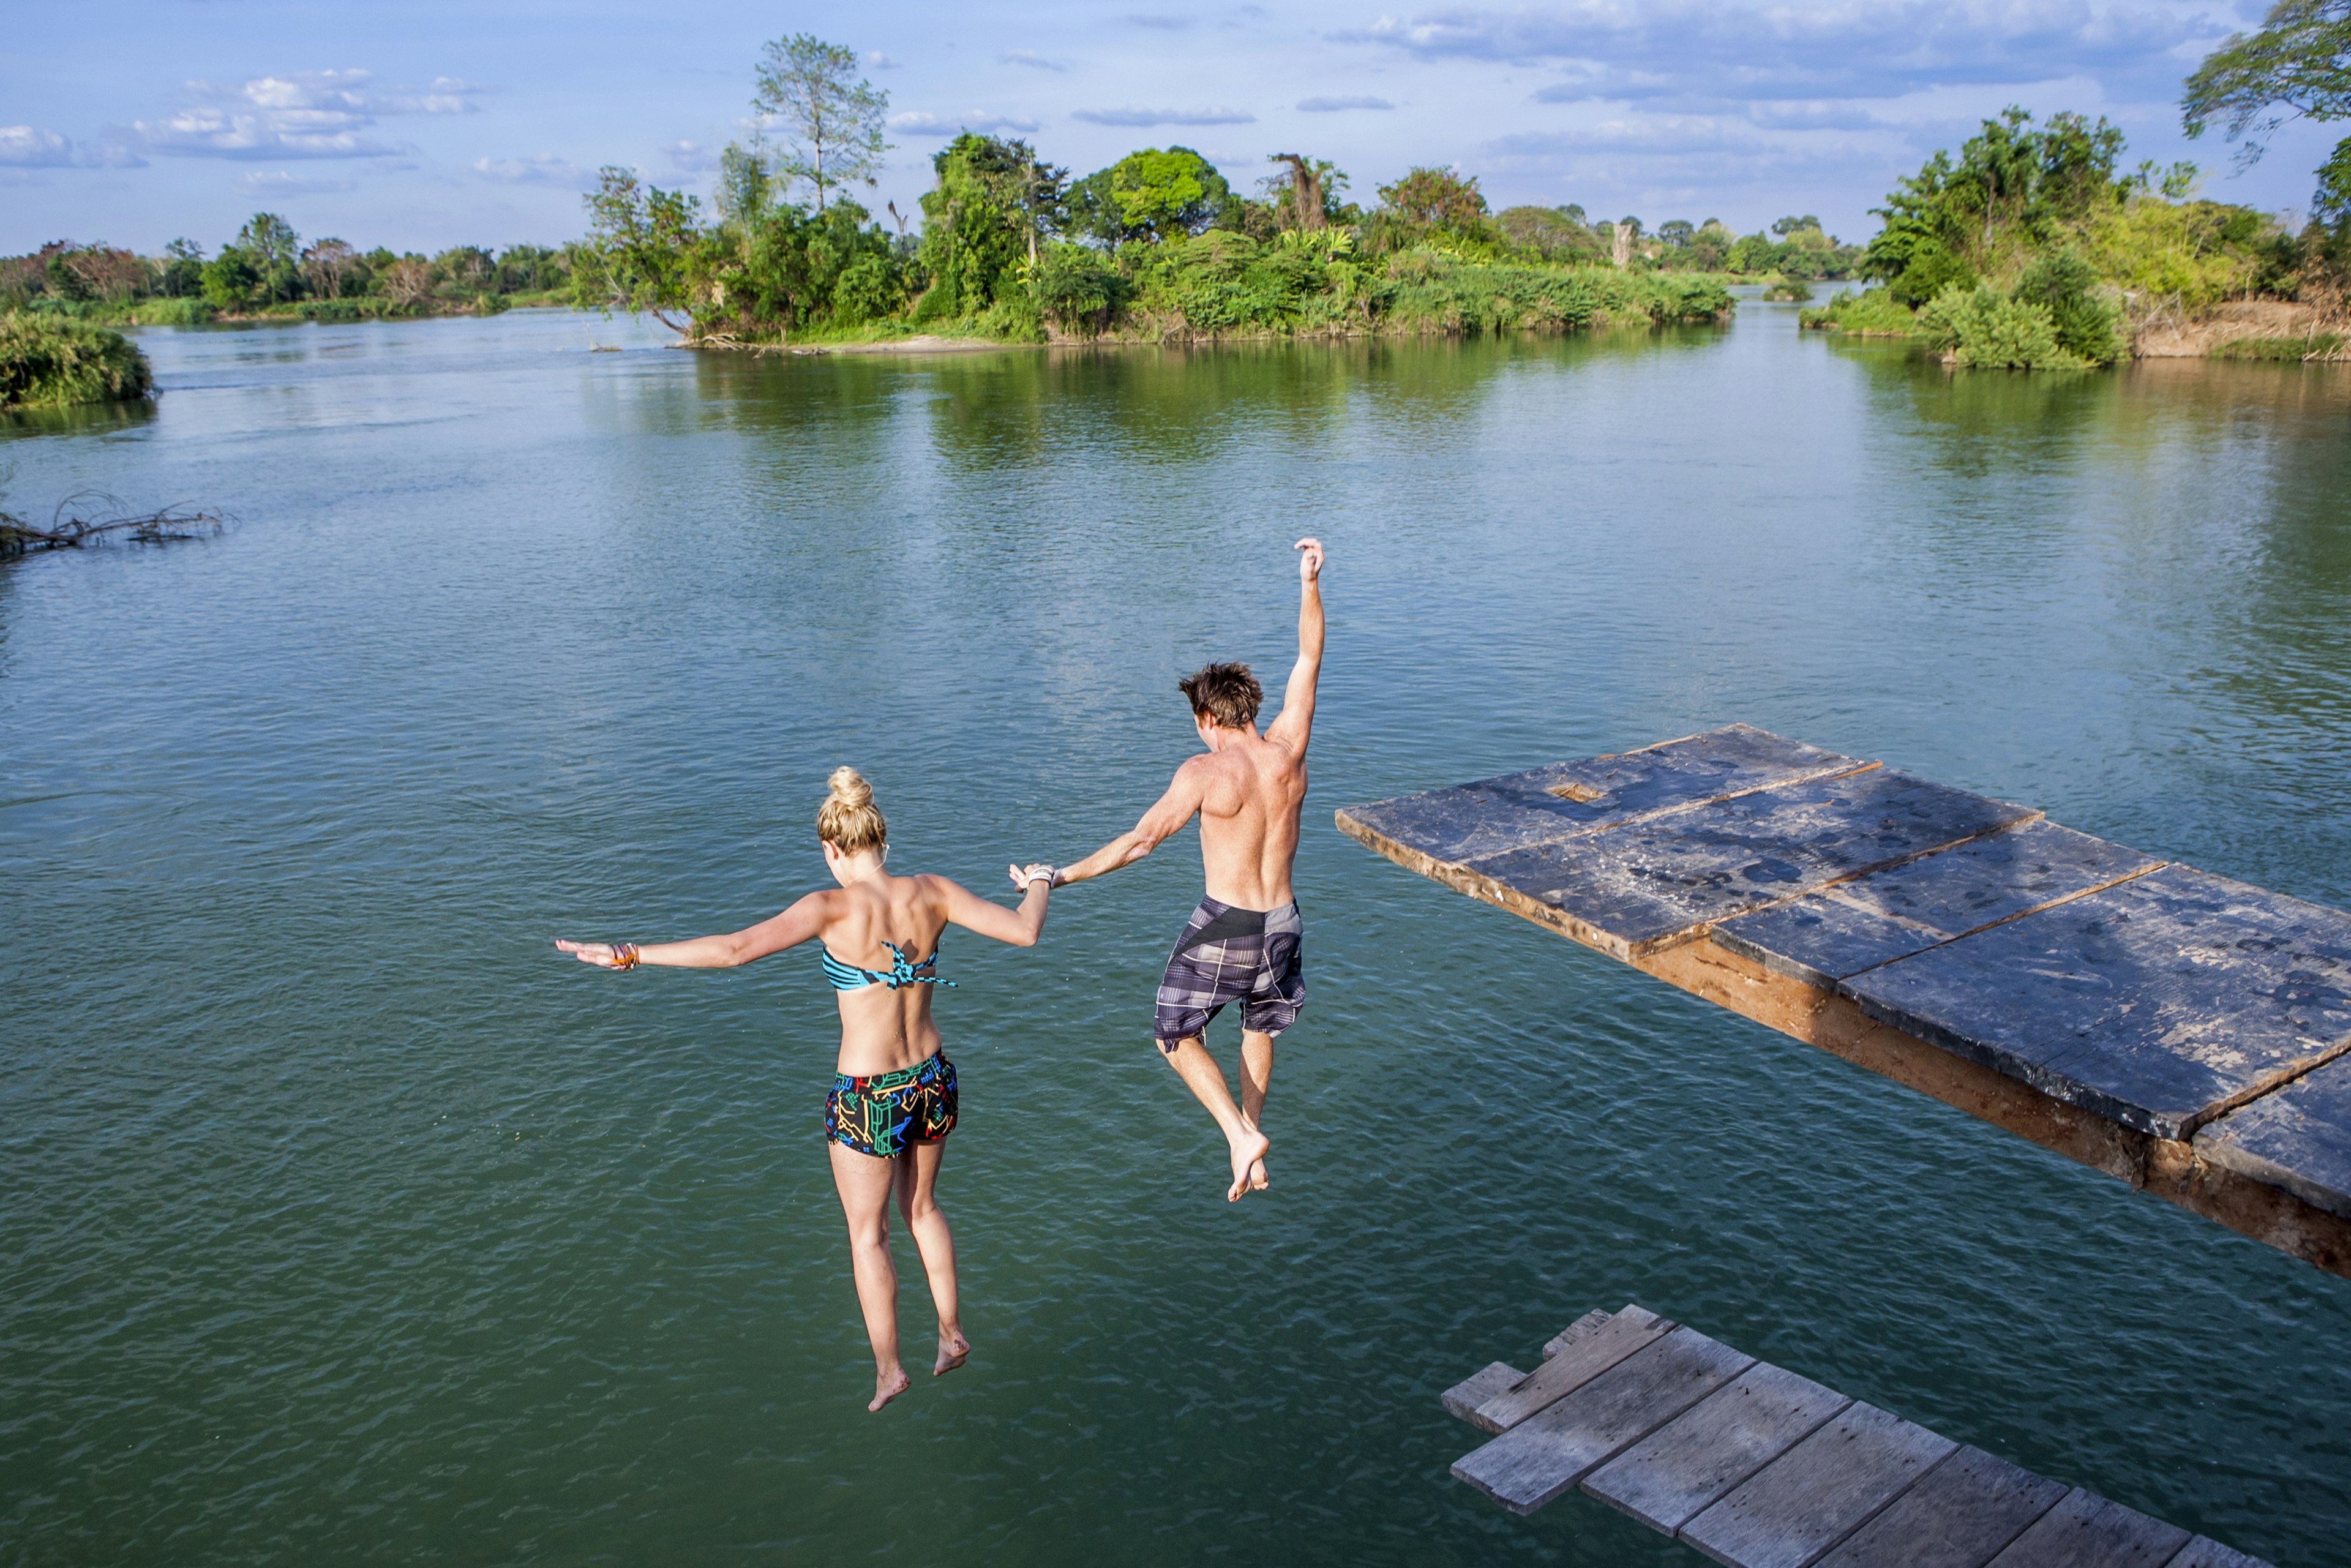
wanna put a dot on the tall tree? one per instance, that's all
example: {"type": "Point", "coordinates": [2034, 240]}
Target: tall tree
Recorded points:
{"type": "Point", "coordinates": [833, 125]}
{"type": "Point", "coordinates": [275, 250]}
{"type": "Point", "coordinates": [1313, 183]}
{"type": "Point", "coordinates": [640, 240]}
{"type": "Point", "coordinates": [2300, 63]}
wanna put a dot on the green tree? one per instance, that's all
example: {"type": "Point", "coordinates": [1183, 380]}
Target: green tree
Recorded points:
{"type": "Point", "coordinates": [230, 281]}
{"type": "Point", "coordinates": [2298, 63]}
{"type": "Point", "coordinates": [274, 252]}
{"type": "Point", "coordinates": [1162, 192]}
{"type": "Point", "coordinates": [832, 126]}
{"type": "Point", "coordinates": [183, 270]}
{"type": "Point", "coordinates": [2013, 189]}
{"type": "Point", "coordinates": [975, 226]}
{"type": "Point", "coordinates": [1436, 198]}
{"type": "Point", "coordinates": [639, 247]}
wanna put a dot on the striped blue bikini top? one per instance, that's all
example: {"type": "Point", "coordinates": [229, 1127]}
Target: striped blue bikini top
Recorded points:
{"type": "Point", "coordinates": [902, 972]}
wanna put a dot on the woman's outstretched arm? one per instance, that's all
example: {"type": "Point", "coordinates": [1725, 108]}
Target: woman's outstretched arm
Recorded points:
{"type": "Point", "coordinates": [789, 929]}
{"type": "Point", "coordinates": [1021, 926]}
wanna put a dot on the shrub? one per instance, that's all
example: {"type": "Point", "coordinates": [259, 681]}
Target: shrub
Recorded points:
{"type": "Point", "coordinates": [1080, 289]}
{"type": "Point", "coordinates": [177, 312]}
{"type": "Point", "coordinates": [2088, 323]}
{"type": "Point", "coordinates": [47, 363]}
{"type": "Point", "coordinates": [1986, 330]}
{"type": "Point", "coordinates": [866, 290]}
{"type": "Point", "coordinates": [1867, 313]}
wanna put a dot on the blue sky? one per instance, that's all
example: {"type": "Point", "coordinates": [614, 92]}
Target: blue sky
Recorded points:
{"type": "Point", "coordinates": [424, 125]}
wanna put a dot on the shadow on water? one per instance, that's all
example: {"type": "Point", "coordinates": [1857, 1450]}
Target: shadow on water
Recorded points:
{"type": "Point", "coordinates": [86, 419]}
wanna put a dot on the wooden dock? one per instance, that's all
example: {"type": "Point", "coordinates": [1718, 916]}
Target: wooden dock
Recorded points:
{"type": "Point", "coordinates": [2179, 1030]}
{"type": "Point", "coordinates": [1759, 1468]}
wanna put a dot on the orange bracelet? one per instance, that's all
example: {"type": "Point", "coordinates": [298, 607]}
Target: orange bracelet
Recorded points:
{"type": "Point", "coordinates": [624, 956]}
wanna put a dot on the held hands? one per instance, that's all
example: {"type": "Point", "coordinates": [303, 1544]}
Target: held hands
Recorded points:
{"type": "Point", "coordinates": [1035, 870]}
{"type": "Point", "coordinates": [604, 955]}
{"type": "Point", "coordinates": [1310, 565]}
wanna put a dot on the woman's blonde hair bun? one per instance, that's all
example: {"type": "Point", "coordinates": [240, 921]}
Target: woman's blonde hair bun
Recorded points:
{"type": "Point", "coordinates": [848, 819]}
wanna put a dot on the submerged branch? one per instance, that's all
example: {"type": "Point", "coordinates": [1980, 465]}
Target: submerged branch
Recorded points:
{"type": "Point", "coordinates": [108, 518]}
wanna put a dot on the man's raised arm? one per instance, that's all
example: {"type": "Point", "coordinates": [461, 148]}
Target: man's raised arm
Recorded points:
{"type": "Point", "coordinates": [1163, 821]}
{"type": "Point", "coordinates": [1297, 717]}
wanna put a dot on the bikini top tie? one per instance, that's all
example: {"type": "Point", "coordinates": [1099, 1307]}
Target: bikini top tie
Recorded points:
{"type": "Point", "coordinates": [902, 971]}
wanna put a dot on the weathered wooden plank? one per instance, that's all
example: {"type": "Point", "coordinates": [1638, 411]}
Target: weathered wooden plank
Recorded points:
{"type": "Point", "coordinates": [1516, 810]}
{"type": "Point", "coordinates": [1577, 1333]}
{"type": "Point", "coordinates": [1650, 884]}
{"type": "Point", "coordinates": [1612, 1342]}
{"type": "Point", "coordinates": [2159, 1002]}
{"type": "Point", "coordinates": [1809, 1498]}
{"type": "Point", "coordinates": [1824, 937]}
{"type": "Point", "coordinates": [1544, 1454]}
{"type": "Point", "coordinates": [1461, 1400]}
{"type": "Point", "coordinates": [2297, 1138]}
{"type": "Point", "coordinates": [2085, 1530]}
{"type": "Point", "coordinates": [1959, 1515]}
{"type": "Point", "coordinates": [1676, 1471]}
{"type": "Point", "coordinates": [2206, 1552]}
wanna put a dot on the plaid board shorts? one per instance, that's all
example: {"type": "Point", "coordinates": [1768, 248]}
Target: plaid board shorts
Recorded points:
{"type": "Point", "coordinates": [882, 1113]}
{"type": "Point", "coordinates": [1251, 956]}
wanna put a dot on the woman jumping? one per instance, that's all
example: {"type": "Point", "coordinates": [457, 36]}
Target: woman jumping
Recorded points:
{"type": "Point", "coordinates": [893, 1096]}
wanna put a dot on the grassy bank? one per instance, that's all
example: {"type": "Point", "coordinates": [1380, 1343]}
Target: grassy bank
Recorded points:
{"type": "Point", "coordinates": [48, 363]}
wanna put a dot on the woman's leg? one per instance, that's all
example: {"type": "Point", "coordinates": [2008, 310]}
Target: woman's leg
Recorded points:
{"type": "Point", "coordinates": [863, 1181]}
{"type": "Point", "coordinates": [917, 1176]}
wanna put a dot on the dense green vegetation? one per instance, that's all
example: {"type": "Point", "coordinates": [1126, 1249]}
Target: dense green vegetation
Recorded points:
{"type": "Point", "coordinates": [2030, 251]}
{"type": "Point", "coordinates": [2298, 62]}
{"type": "Point", "coordinates": [1160, 244]}
{"type": "Point", "coordinates": [45, 363]}
{"type": "Point", "coordinates": [268, 270]}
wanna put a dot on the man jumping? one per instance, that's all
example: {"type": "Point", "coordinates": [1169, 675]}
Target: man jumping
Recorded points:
{"type": "Point", "coordinates": [1243, 942]}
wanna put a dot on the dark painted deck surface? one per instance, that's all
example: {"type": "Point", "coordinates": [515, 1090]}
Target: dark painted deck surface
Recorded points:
{"type": "Point", "coordinates": [1759, 1468]}
{"type": "Point", "coordinates": [2164, 999]}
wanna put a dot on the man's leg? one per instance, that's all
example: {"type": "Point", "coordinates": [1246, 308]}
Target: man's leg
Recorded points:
{"type": "Point", "coordinates": [1205, 1079]}
{"type": "Point", "coordinates": [1257, 1073]}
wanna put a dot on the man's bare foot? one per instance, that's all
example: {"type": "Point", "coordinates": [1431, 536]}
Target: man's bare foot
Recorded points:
{"type": "Point", "coordinates": [1258, 1180]}
{"type": "Point", "coordinates": [888, 1386]}
{"type": "Point", "coordinates": [1249, 1150]}
{"type": "Point", "coordinates": [952, 1351]}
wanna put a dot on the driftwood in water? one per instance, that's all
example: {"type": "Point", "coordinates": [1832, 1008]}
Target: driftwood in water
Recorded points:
{"type": "Point", "coordinates": [106, 519]}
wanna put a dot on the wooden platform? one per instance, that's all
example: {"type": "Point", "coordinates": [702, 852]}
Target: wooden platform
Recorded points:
{"type": "Point", "coordinates": [1759, 1468]}
{"type": "Point", "coordinates": [2178, 1029]}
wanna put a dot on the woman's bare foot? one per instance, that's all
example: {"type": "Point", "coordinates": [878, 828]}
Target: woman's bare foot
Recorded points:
{"type": "Point", "coordinates": [1248, 1151]}
{"type": "Point", "coordinates": [1258, 1180]}
{"type": "Point", "coordinates": [952, 1351]}
{"type": "Point", "coordinates": [888, 1386]}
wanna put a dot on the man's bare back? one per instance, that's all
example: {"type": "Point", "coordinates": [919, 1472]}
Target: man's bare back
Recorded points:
{"type": "Point", "coordinates": [1245, 941]}
{"type": "Point", "coordinates": [1251, 793]}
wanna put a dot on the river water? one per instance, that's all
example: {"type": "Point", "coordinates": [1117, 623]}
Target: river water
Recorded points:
{"type": "Point", "coordinates": [345, 1223]}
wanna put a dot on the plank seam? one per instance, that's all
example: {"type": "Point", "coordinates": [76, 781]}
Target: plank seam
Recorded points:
{"type": "Point", "coordinates": [2056, 902]}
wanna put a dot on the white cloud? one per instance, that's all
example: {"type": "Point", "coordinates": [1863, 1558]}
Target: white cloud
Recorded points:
{"type": "Point", "coordinates": [1334, 105]}
{"type": "Point", "coordinates": [1857, 48]}
{"type": "Point", "coordinates": [1030, 58]}
{"type": "Point", "coordinates": [301, 114]}
{"type": "Point", "coordinates": [26, 147]}
{"type": "Point", "coordinates": [542, 169]}
{"type": "Point", "coordinates": [690, 157]}
{"type": "Point", "coordinates": [875, 59]}
{"type": "Point", "coordinates": [279, 183]}
{"type": "Point", "coordinates": [1138, 117]}
{"type": "Point", "coordinates": [23, 147]}
{"type": "Point", "coordinates": [915, 123]}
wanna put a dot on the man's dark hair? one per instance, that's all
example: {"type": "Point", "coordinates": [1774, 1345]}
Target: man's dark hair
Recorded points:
{"type": "Point", "coordinates": [1228, 694]}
